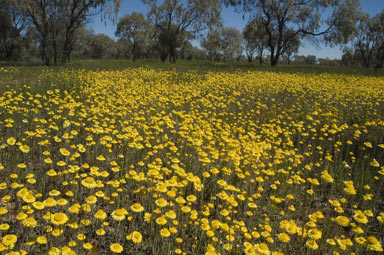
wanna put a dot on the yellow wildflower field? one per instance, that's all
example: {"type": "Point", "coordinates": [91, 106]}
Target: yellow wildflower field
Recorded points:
{"type": "Point", "coordinates": [143, 161]}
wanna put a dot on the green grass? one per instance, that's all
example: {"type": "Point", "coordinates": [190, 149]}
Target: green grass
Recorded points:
{"type": "Point", "coordinates": [184, 65]}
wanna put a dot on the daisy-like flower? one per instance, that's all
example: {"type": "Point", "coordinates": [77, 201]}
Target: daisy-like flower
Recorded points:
{"type": "Point", "coordinates": [137, 207]}
{"type": "Point", "coordinates": [11, 141]}
{"type": "Point", "coordinates": [119, 214]}
{"type": "Point", "coordinates": [24, 148]}
{"type": "Point", "coordinates": [283, 237]}
{"type": "Point", "coordinates": [9, 240]}
{"type": "Point", "coordinates": [64, 152]}
{"type": "Point", "coordinates": [59, 218]}
{"type": "Point", "coordinates": [161, 202]}
{"type": "Point", "coordinates": [342, 221]}
{"type": "Point", "coordinates": [116, 248]}
{"type": "Point", "coordinates": [100, 215]}
{"type": "Point", "coordinates": [164, 232]}
{"type": "Point", "coordinates": [136, 237]}
{"type": "Point", "coordinates": [89, 182]}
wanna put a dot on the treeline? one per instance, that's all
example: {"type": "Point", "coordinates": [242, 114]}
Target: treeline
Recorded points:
{"type": "Point", "coordinates": [55, 30]}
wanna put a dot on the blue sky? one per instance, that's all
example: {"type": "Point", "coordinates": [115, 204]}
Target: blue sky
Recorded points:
{"type": "Point", "coordinates": [233, 19]}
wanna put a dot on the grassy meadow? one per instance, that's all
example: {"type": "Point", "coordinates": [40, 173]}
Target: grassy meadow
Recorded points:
{"type": "Point", "coordinates": [143, 158]}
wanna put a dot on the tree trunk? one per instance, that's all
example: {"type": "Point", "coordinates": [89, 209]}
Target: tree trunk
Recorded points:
{"type": "Point", "coordinates": [274, 60]}
{"type": "Point", "coordinates": [54, 46]}
{"type": "Point", "coordinates": [172, 54]}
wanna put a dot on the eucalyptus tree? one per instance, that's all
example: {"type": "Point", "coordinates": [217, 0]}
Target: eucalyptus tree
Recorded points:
{"type": "Point", "coordinates": [364, 39]}
{"type": "Point", "coordinates": [211, 44]}
{"type": "Point", "coordinates": [230, 43]}
{"type": "Point", "coordinates": [57, 20]}
{"type": "Point", "coordinates": [301, 18]}
{"type": "Point", "coordinates": [137, 30]}
{"type": "Point", "coordinates": [175, 19]}
{"type": "Point", "coordinates": [379, 39]}
{"type": "Point", "coordinates": [13, 23]}
{"type": "Point", "coordinates": [255, 39]}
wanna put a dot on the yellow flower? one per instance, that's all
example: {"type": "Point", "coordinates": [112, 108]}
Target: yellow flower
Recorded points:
{"type": "Point", "coordinates": [100, 158]}
{"type": "Point", "coordinates": [87, 246]}
{"type": "Point", "coordinates": [312, 244]}
{"type": "Point", "coordinates": [116, 248]}
{"type": "Point", "coordinates": [136, 237]}
{"type": "Point", "coordinates": [64, 152]}
{"type": "Point", "coordinates": [91, 199]}
{"type": "Point", "coordinates": [100, 232]}
{"type": "Point", "coordinates": [326, 176]}
{"type": "Point", "coordinates": [161, 202]}
{"type": "Point", "coordinates": [89, 182]}
{"type": "Point", "coordinates": [283, 237]}
{"type": "Point", "coordinates": [4, 226]}
{"type": "Point", "coordinates": [373, 244]}
{"type": "Point", "coordinates": [119, 214]}
{"type": "Point", "coordinates": [164, 232]}
{"type": "Point", "coordinates": [81, 237]}
{"type": "Point", "coordinates": [100, 214]}
{"type": "Point", "coordinates": [51, 172]}
{"type": "Point", "coordinates": [59, 218]}
{"type": "Point", "coordinates": [11, 141]}
{"type": "Point", "coordinates": [29, 222]}
{"type": "Point", "coordinates": [360, 217]}
{"type": "Point", "coordinates": [374, 163]}
{"type": "Point", "coordinates": [29, 198]}
{"type": "Point", "coordinates": [171, 214]}
{"type": "Point", "coordinates": [314, 233]}
{"type": "Point", "coordinates": [9, 240]}
{"type": "Point", "coordinates": [50, 202]}
{"type": "Point", "coordinates": [191, 198]}
{"type": "Point", "coordinates": [24, 148]}
{"type": "Point", "coordinates": [54, 251]}
{"type": "Point", "coordinates": [41, 240]}
{"type": "Point", "coordinates": [262, 249]}
{"type": "Point", "coordinates": [161, 220]}
{"type": "Point", "coordinates": [342, 221]}
{"type": "Point", "coordinates": [137, 207]}
{"type": "Point", "coordinates": [3, 210]}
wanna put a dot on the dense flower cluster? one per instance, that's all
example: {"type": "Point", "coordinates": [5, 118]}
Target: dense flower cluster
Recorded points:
{"type": "Point", "coordinates": [143, 161]}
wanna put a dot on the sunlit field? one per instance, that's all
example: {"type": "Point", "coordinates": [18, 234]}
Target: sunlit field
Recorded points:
{"type": "Point", "coordinates": [147, 161]}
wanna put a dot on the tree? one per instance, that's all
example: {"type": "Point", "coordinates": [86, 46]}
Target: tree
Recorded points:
{"type": "Point", "coordinates": [379, 40]}
{"type": "Point", "coordinates": [255, 38]}
{"type": "Point", "coordinates": [367, 41]}
{"type": "Point", "coordinates": [100, 46]}
{"type": "Point", "coordinates": [174, 19]}
{"type": "Point", "coordinates": [292, 47]}
{"type": "Point", "coordinates": [57, 21]}
{"type": "Point", "coordinates": [286, 19]}
{"type": "Point", "coordinates": [136, 29]}
{"type": "Point", "coordinates": [230, 43]}
{"type": "Point", "coordinates": [211, 44]}
{"type": "Point", "coordinates": [12, 24]}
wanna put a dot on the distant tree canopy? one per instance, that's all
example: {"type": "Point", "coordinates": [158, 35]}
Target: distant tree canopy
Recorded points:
{"type": "Point", "coordinates": [367, 43]}
{"type": "Point", "coordinates": [55, 23]}
{"type": "Point", "coordinates": [283, 20]}
{"type": "Point", "coordinates": [55, 30]}
{"type": "Point", "coordinates": [138, 31]}
{"type": "Point", "coordinates": [176, 20]}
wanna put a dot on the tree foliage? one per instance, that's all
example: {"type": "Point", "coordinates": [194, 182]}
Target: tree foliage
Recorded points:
{"type": "Point", "coordinates": [137, 30]}
{"type": "Point", "coordinates": [13, 23]}
{"type": "Point", "coordinates": [284, 20]}
{"type": "Point", "coordinates": [56, 21]}
{"type": "Point", "coordinates": [255, 39]}
{"type": "Point", "coordinates": [175, 19]}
